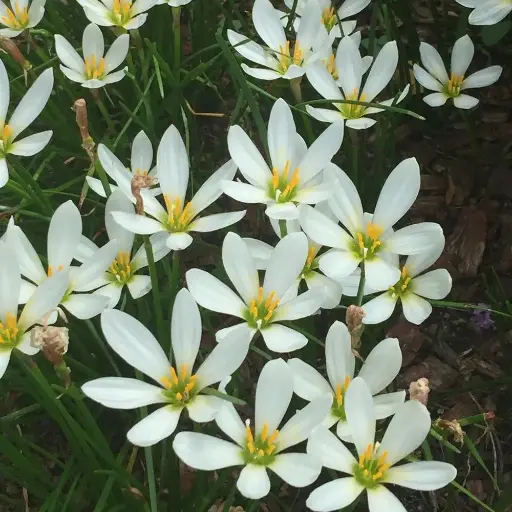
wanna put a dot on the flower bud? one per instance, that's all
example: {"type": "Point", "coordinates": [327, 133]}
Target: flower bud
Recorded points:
{"type": "Point", "coordinates": [419, 390]}
{"type": "Point", "coordinates": [354, 320]}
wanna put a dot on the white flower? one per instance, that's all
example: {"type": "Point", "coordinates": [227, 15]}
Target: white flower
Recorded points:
{"type": "Point", "coordinates": [23, 116]}
{"type": "Point", "coordinates": [379, 370]}
{"type": "Point", "coordinates": [376, 463]}
{"type": "Point", "coordinates": [179, 217]}
{"type": "Point", "coordinates": [123, 269]}
{"type": "Point", "coordinates": [178, 387]}
{"type": "Point", "coordinates": [20, 16]}
{"type": "Point", "coordinates": [261, 307]}
{"type": "Point", "coordinates": [329, 18]}
{"type": "Point", "coordinates": [296, 171]}
{"type": "Point", "coordinates": [372, 241]}
{"type": "Point", "coordinates": [140, 165]}
{"type": "Point", "coordinates": [262, 447]}
{"type": "Point", "coordinates": [487, 12]}
{"type": "Point", "coordinates": [282, 58]}
{"type": "Point", "coordinates": [174, 3]}
{"type": "Point", "coordinates": [64, 236]}
{"type": "Point", "coordinates": [410, 289]}
{"type": "Point", "coordinates": [261, 253]}
{"type": "Point", "coordinates": [94, 70]}
{"type": "Point", "coordinates": [14, 331]}
{"type": "Point", "coordinates": [120, 13]}
{"type": "Point", "coordinates": [351, 68]}
{"type": "Point", "coordinates": [435, 78]}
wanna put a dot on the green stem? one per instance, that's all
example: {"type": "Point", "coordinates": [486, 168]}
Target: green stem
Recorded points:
{"type": "Point", "coordinates": [354, 139]}
{"type": "Point", "coordinates": [176, 27]}
{"type": "Point", "coordinates": [296, 89]}
{"type": "Point", "coordinates": [360, 290]}
{"type": "Point", "coordinates": [283, 230]}
{"type": "Point", "coordinates": [156, 293]}
{"type": "Point", "coordinates": [103, 178]}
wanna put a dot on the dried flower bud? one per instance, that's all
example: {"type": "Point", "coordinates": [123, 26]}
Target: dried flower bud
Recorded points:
{"type": "Point", "coordinates": [453, 428]}
{"type": "Point", "coordinates": [354, 320]}
{"type": "Point", "coordinates": [12, 49]}
{"type": "Point", "coordinates": [419, 390]}
{"type": "Point", "coordinates": [139, 182]}
{"type": "Point", "coordinates": [80, 108]}
{"type": "Point", "coordinates": [53, 341]}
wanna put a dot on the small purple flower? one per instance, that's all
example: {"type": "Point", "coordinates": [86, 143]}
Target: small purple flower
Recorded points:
{"type": "Point", "coordinates": [482, 318]}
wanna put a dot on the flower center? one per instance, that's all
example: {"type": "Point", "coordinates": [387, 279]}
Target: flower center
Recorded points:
{"type": "Point", "coordinates": [350, 111]}
{"type": "Point", "coordinates": [17, 19]}
{"type": "Point", "coordinates": [178, 219]}
{"type": "Point", "coordinates": [366, 245]}
{"type": "Point", "coordinates": [260, 449]}
{"type": "Point", "coordinates": [371, 468]}
{"type": "Point", "coordinates": [8, 332]}
{"type": "Point", "coordinates": [286, 59]}
{"type": "Point", "coordinates": [260, 310]}
{"type": "Point", "coordinates": [94, 69]}
{"type": "Point", "coordinates": [454, 84]}
{"type": "Point", "coordinates": [5, 139]}
{"type": "Point", "coordinates": [402, 286]}
{"type": "Point", "coordinates": [328, 18]}
{"type": "Point", "coordinates": [331, 67]}
{"type": "Point", "coordinates": [121, 269]}
{"type": "Point", "coordinates": [282, 187]}
{"type": "Point", "coordinates": [179, 388]}
{"type": "Point", "coordinates": [121, 11]}
{"type": "Point", "coordinates": [51, 270]}
{"type": "Point", "coordinates": [311, 262]}
{"type": "Point", "coordinates": [338, 405]}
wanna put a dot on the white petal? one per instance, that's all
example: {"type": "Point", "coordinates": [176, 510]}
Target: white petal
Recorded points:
{"type": "Point", "coordinates": [332, 290]}
{"type": "Point", "coordinates": [117, 53]}
{"type": "Point", "coordinates": [408, 429]}
{"type": "Point", "coordinates": [282, 211]}
{"type": "Point", "coordinates": [416, 309]}
{"type": "Point", "coordinates": [433, 285]}
{"type": "Point", "coordinates": [122, 393]}
{"type": "Point", "coordinates": [300, 307]}
{"type": "Point", "coordinates": [350, 7]}
{"type": "Point", "coordinates": [212, 294]}
{"type": "Point", "coordinates": [382, 70]}
{"type": "Point", "coordinates": [379, 309]}
{"type": "Point", "coordinates": [253, 482]}
{"type": "Point", "coordinates": [142, 150]}
{"type": "Point", "coordinates": [268, 24]}
{"type": "Point", "coordinates": [387, 404]}
{"type": "Point", "coordinates": [462, 55]}
{"type": "Point", "coordinates": [433, 62]}
{"type": "Point", "coordinates": [422, 476]}
{"type": "Point", "coordinates": [333, 454]}
{"type": "Point", "coordinates": [482, 78]}
{"type": "Point", "coordinates": [31, 145]}
{"type": "Point", "coordinates": [247, 157]}
{"type": "Point", "coordinates": [324, 115]}
{"type": "Point", "coordinates": [186, 330]}
{"type": "Point", "coordinates": [362, 123]}
{"type": "Point", "coordinates": [417, 263]}
{"type": "Point", "coordinates": [398, 194]}
{"type": "Point", "coordinates": [216, 222]}
{"type": "Point", "coordinates": [360, 414]}
{"type": "Point", "coordinates": [261, 74]}
{"type": "Point", "coordinates": [204, 408]}
{"type": "Point", "coordinates": [92, 42]}
{"type": "Point", "coordinates": [118, 202]}
{"type": "Point", "coordinates": [307, 381]}
{"type": "Point", "coordinates": [260, 252]}
{"type": "Point", "coordinates": [339, 358]}
{"type": "Point", "coordinates": [297, 469]}
{"type": "Point", "coordinates": [490, 14]}
{"type": "Point", "coordinates": [229, 422]}
{"type": "Point", "coordinates": [159, 249]}
{"type": "Point", "coordinates": [281, 135]}
{"type": "Point", "coordinates": [68, 55]}
{"type": "Point", "coordinates": [139, 286]}
{"type": "Point", "coordinates": [382, 365]}
{"type": "Point", "coordinates": [204, 452]}
{"type": "Point", "coordinates": [436, 99]}
{"type": "Point", "coordinates": [134, 343]}
{"type": "Point", "coordinates": [349, 60]}
{"type": "Point", "coordinates": [415, 238]}
{"type": "Point", "coordinates": [247, 48]}
{"type": "Point", "coordinates": [465, 102]}
{"type": "Point", "coordinates": [244, 192]}
{"type": "Point", "coordinates": [83, 278]}
{"type": "Point", "coordinates": [334, 495]}
{"type": "Point", "coordinates": [137, 223]}
{"type": "Point", "coordinates": [322, 229]}
{"type": "Point", "coordinates": [113, 292]}
{"type": "Point", "coordinates": [64, 235]}
{"type": "Point", "coordinates": [85, 305]}
{"type": "Point", "coordinates": [179, 241]}
{"type": "Point", "coordinates": [280, 338]}
{"type": "Point", "coordinates": [5, 356]}
{"type": "Point", "coordinates": [4, 84]}
{"type": "Point", "coordinates": [274, 392]}
{"type": "Point", "coordinates": [381, 499]}
{"type": "Point", "coordinates": [338, 264]}
{"type": "Point", "coordinates": [155, 427]}
{"type": "Point", "coordinates": [299, 427]}
{"type": "Point", "coordinates": [32, 103]}
{"type": "Point", "coordinates": [4, 172]}
{"type": "Point", "coordinates": [380, 275]}
{"type": "Point", "coordinates": [211, 189]}
{"type": "Point", "coordinates": [25, 346]}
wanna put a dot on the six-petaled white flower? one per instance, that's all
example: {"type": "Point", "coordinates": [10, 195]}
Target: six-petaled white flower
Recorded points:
{"type": "Point", "coordinates": [127, 14]}
{"type": "Point", "coordinates": [14, 330]}
{"type": "Point", "coordinates": [178, 386]}
{"type": "Point", "coordinates": [123, 269]}
{"type": "Point", "coordinates": [378, 371]}
{"type": "Point", "coordinates": [96, 69]}
{"type": "Point", "coordinates": [178, 218]}
{"type": "Point", "coordinates": [376, 462]}
{"type": "Point", "coordinates": [261, 307]}
{"type": "Point", "coordinates": [20, 16]}
{"type": "Point", "coordinates": [350, 68]}
{"type": "Point", "coordinates": [412, 286]}
{"type": "Point", "coordinates": [25, 113]}
{"type": "Point", "coordinates": [281, 58]}
{"type": "Point", "coordinates": [436, 78]}
{"type": "Point", "coordinates": [370, 239]}
{"type": "Point", "coordinates": [260, 448]}
{"type": "Point", "coordinates": [487, 12]}
{"type": "Point", "coordinates": [296, 170]}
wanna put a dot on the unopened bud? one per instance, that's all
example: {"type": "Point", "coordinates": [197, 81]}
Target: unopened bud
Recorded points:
{"type": "Point", "coordinates": [139, 182]}
{"type": "Point", "coordinates": [53, 341]}
{"type": "Point", "coordinates": [419, 390]}
{"type": "Point", "coordinates": [354, 320]}
{"type": "Point", "coordinates": [453, 427]}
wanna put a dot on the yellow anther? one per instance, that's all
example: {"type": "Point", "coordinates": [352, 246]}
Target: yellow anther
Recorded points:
{"type": "Point", "coordinates": [179, 396]}
{"type": "Point", "coordinates": [377, 475]}
{"type": "Point", "coordinates": [273, 437]}
{"type": "Point", "coordinates": [295, 179]}
{"type": "Point", "coordinates": [384, 467]}
{"type": "Point", "coordinates": [374, 231]}
{"type": "Point", "coordinates": [268, 316]}
{"type": "Point", "coordinates": [250, 446]}
{"type": "Point", "coordinates": [339, 394]}
{"type": "Point", "coordinates": [406, 283]}
{"type": "Point", "coordinates": [248, 434]}
{"type": "Point", "coordinates": [174, 376]}
{"type": "Point", "coordinates": [366, 472]}
{"type": "Point", "coordinates": [382, 458]}
{"type": "Point", "coordinates": [190, 386]}
{"type": "Point", "coordinates": [7, 132]}
{"type": "Point", "coordinates": [369, 451]}
{"type": "Point", "coordinates": [271, 449]}
{"type": "Point", "coordinates": [361, 460]}
{"type": "Point", "coordinates": [375, 244]}
{"type": "Point", "coordinates": [261, 452]}
{"type": "Point", "coordinates": [166, 382]}
{"type": "Point", "coordinates": [275, 178]}
{"type": "Point", "coordinates": [270, 299]}
{"type": "Point", "coordinates": [260, 295]}
{"type": "Point", "coordinates": [264, 432]}
{"type": "Point", "coordinates": [311, 256]}
{"type": "Point", "coordinates": [286, 169]}
{"type": "Point", "coordinates": [183, 371]}
{"type": "Point", "coordinates": [346, 383]}
{"type": "Point", "coordinates": [50, 272]}
{"type": "Point", "coordinates": [360, 241]}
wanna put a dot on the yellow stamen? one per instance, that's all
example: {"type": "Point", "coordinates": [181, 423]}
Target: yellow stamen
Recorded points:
{"type": "Point", "coordinates": [190, 386]}
{"type": "Point", "coordinates": [166, 382]}
{"type": "Point", "coordinates": [271, 449]}
{"type": "Point", "coordinates": [382, 458]}
{"type": "Point", "coordinates": [7, 132]}
{"type": "Point", "coordinates": [261, 452]}
{"type": "Point", "coordinates": [264, 432]}
{"type": "Point", "coordinates": [174, 376]}
{"type": "Point", "coordinates": [295, 179]}
{"type": "Point", "coordinates": [275, 178]}
{"type": "Point", "coordinates": [50, 272]}
{"type": "Point", "coordinates": [360, 241]}
{"type": "Point", "coordinates": [248, 434]}
{"type": "Point", "coordinates": [270, 299]}
{"type": "Point", "coordinates": [268, 316]}
{"type": "Point", "coordinates": [361, 460]}
{"type": "Point", "coordinates": [311, 256]}
{"type": "Point", "coordinates": [250, 446]}
{"type": "Point", "coordinates": [384, 467]}
{"type": "Point", "coordinates": [183, 371]}
{"type": "Point", "coordinates": [377, 475]}
{"type": "Point", "coordinates": [366, 472]}
{"type": "Point", "coordinates": [339, 394]}
{"type": "Point", "coordinates": [404, 272]}
{"type": "Point", "coordinates": [346, 384]}
{"type": "Point", "coordinates": [286, 169]}
{"type": "Point", "coordinates": [260, 295]}
{"type": "Point", "coordinates": [179, 396]}
{"type": "Point", "coordinates": [369, 450]}
{"type": "Point", "coordinates": [374, 231]}
{"type": "Point", "coordinates": [273, 437]}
